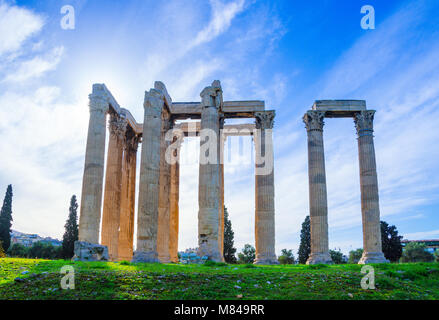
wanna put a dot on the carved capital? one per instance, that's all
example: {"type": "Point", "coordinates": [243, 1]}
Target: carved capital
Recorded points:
{"type": "Point", "coordinates": [314, 120]}
{"type": "Point", "coordinates": [208, 97]}
{"type": "Point", "coordinates": [265, 119]}
{"type": "Point", "coordinates": [364, 122]}
{"type": "Point", "coordinates": [132, 142]}
{"type": "Point", "coordinates": [98, 103]}
{"type": "Point", "coordinates": [117, 126]}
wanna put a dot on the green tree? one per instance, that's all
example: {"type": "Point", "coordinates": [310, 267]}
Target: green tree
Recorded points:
{"type": "Point", "coordinates": [436, 255]}
{"type": "Point", "coordinates": [355, 255]}
{"type": "Point", "coordinates": [416, 252]}
{"type": "Point", "coordinates": [71, 230]}
{"type": "Point", "coordinates": [337, 256]}
{"type": "Point", "coordinates": [6, 219]}
{"type": "Point", "coordinates": [247, 255]}
{"type": "Point", "coordinates": [391, 242]}
{"type": "Point", "coordinates": [286, 257]}
{"type": "Point", "coordinates": [229, 235]}
{"type": "Point", "coordinates": [18, 250]}
{"type": "Point", "coordinates": [305, 241]}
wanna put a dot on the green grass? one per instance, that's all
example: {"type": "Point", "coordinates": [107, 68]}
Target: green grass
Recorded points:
{"type": "Point", "coordinates": [107, 280]}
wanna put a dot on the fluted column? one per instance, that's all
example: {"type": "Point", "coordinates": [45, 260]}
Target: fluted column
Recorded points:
{"type": "Point", "coordinates": [148, 209]}
{"type": "Point", "coordinates": [264, 189]}
{"type": "Point", "coordinates": [173, 203]}
{"type": "Point", "coordinates": [370, 209]}
{"type": "Point", "coordinates": [126, 229]}
{"type": "Point", "coordinates": [163, 230]}
{"type": "Point", "coordinates": [209, 175]}
{"type": "Point", "coordinates": [221, 195]}
{"type": "Point", "coordinates": [92, 182]}
{"type": "Point", "coordinates": [318, 203]}
{"type": "Point", "coordinates": [113, 186]}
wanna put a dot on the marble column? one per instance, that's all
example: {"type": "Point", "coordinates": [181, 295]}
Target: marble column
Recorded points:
{"type": "Point", "coordinates": [92, 183]}
{"type": "Point", "coordinates": [113, 186]}
{"type": "Point", "coordinates": [264, 189]}
{"type": "Point", "coordinates": [149, 188]}
{"type": "Point", "coordinates": [173, 204]}
{"type": "Point", "coordinates": [370, 209]}
{"type": "Point", "coordinates": [209, 176]}
{"type": "Point", "coordinates": [221, 195]}
{"type": "Point", "coordinates": [163, 229]}
{"type": "Point", "coordinates": [126, 229]}
{"type": "Point", "coordinates": [318, 204]}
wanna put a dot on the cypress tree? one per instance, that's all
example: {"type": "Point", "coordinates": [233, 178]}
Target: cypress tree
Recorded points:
{"type": "Point", "coordinates": [391, 242]}
{"type": "Point", "coordinates": [6, 220]}
{"type": "Point", "coordinates": [229, 250]}
{"type": "Point", "coordinates": [71, 230]}
{"type": "Point", "coordinates": [305, 241]}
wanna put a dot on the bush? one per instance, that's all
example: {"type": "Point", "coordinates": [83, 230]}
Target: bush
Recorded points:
{"type": "Point", "coordinates": [247, 255]}
{"type": "Point", "coordinates": [436, 255]}
{"type": "Point", "coordinates": [416, 252]}
{"type": "Point", "coordinates": [18, 250]}
{"type": "Point", "coordinates": [337, 256]}
{"type": "Point", "coordinates": [41, 250]}
{"type": "Point", "coordinates": [286, 257]}
{"type": "Point", "coordinates": [355, 255]}
{"type": "Point", "coordinates": [2, 252]}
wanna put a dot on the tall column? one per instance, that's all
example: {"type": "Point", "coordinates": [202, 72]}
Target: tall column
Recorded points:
{"type": "Point", "coordinates": [221, 195]}
{"type": "Point", "coordinates": [370, 209]}
{"type": "Point", "coordinates": [173, 205]}
{"type": "Point", "coordinates": [264, 189]}
{"type": "Point", "coordinates": [126, 229]}
{"type": "Point", "coordinates": [163, 230]}
{"type": "Point", "coordinates": [113, 186]}
{"type": "Point", "coordinates": [148, 209]}
{"type": "Point", "coordinates": [92, 183]}
{"type": "Point", "coordinates": [209, 175]}
{"type": "Point", "coordinates": [318, 203]}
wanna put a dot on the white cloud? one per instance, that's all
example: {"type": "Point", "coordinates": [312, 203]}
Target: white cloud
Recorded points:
{"type": "Point", "coordinates": [422, 235]}
{"type": "Point", "coordinates": [16, 26]}
{"type": "Point", "coordinates": [36, 67]}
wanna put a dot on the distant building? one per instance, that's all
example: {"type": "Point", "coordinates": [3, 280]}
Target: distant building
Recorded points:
{"type": "Point", "coordinates": [28, 240]}
{"type": "Point", "coordinates": [432, 245]}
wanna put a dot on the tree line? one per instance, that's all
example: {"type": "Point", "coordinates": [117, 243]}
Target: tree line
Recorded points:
{"type": "Point", "coordinates": [391, 242]}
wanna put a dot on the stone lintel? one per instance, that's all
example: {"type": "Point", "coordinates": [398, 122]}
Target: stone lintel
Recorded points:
{"type": "Point", "coordinates": [245, 129]}
{"type": "Point", "coordinates": [339, 108]}
{"type": "Point", "coordinates": [231, 108]}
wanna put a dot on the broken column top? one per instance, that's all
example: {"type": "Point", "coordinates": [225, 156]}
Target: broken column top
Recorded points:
{"type": "Point", "coordinates": [339, 108]}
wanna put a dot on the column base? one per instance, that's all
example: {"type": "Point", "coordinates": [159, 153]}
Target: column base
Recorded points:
{"type": "Point", "coordinates": [145, 257]}
{"type": "Point", "coordinates": [266, 259]}
{"type": "Point", "coordinates": [213, 256]}
{"type": "Point", "coordinates": [165, 259]}
{"type": "Point", "coordinates": [319, 258]}
{"type": "Point", "coordinates": [373, 257]}
{"type": "Point", "coordinates": [86, 251]}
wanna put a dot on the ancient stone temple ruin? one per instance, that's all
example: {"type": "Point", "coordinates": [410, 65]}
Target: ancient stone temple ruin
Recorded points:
{"type": "Point", "coordinates": [363, 118]}
{"type": "Point", "coordinates": [160, 136]}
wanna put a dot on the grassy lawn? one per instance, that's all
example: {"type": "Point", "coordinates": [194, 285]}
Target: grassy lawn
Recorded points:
{"type": "Point", "coordinates": [40, 279]}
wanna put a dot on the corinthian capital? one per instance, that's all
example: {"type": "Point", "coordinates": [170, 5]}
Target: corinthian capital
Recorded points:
{"type": "Point", "coordinates": [314, 120]}
{"type": "Point", "coordinates": [98, 103]}
{"type": "Point", "coordinates": [117, 126]}
{"type": "Point", "coordinates": [265, 119]}
{"type": "Point", "coordinates": [364, 121]}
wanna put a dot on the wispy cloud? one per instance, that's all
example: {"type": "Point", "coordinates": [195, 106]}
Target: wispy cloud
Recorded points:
{"type": "Point", "coordinates": [16, 26]}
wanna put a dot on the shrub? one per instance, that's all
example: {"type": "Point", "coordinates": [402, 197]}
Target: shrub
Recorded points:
{"type": "Point", "coordinates": [247, 255]}
{"type": "Point", "coordinates": [286, 257]}
{"type": "Point", "coordinates": [355, 255]}
{"type": "Point", "coordinates": [337, 256]}
{"type": "Point", "coordinates": [2, 252]}
{"type": "Point", "coordinates": [416, 252]}
{"type": "Point", "coordinates": [18, 250]}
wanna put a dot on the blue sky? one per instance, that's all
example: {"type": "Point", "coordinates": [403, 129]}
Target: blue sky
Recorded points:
{"type": "Point", "coordinates": [288, 53]}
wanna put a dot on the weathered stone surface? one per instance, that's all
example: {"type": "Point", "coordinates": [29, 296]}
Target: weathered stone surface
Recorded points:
{"type": "Point", "coordinates": [86, 251]}
{"type": "Point", "coordinates": [264, 190]}
{"type": "Point", "coordinates": [92, 182]}
{"type": "Point", "coordinates": [370, 209]}
{"type": "Point", "coordinates": [318, 203]}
